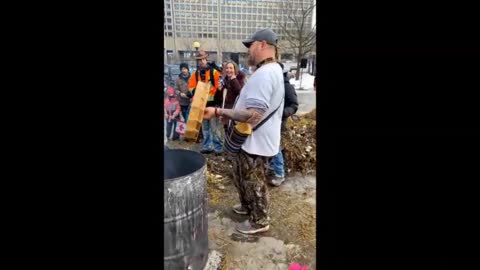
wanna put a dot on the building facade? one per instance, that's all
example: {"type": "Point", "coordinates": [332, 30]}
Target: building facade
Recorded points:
{"type": "Point", "coordinates": [219, 26]}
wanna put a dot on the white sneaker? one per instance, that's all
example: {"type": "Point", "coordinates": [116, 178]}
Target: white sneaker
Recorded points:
{"type": "Point", "coordinates": [277, 180]}
{"type": "Point", "coordinates": [239, 209]}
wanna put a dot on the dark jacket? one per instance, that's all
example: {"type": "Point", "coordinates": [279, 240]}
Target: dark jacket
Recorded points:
{"type": "Point", "coordinates": [291, 103]}
{"type": "Point", "coordinates": [234, 86]}
{"type": "Point", "coordinates": [181, 86]}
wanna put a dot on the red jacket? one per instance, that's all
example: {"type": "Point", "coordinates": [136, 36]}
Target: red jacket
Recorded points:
{"type": "Point", "coordinates": [172, 107]}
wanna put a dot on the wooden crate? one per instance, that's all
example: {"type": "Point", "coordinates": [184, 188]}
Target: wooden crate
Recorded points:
{"type": "Point", "coordinates": [195, 116]}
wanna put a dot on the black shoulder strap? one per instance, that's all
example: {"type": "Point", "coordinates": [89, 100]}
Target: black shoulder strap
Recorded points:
{"type": "Point", "coordinates": [211, 77]}
{"type": "Point", "coordinates": [268, 117]}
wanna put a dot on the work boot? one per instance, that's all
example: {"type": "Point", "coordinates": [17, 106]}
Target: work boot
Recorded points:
{"type": "Point", "coordinates": [248, 227]}
{"type": "Point", "coordinates": [239, 209]}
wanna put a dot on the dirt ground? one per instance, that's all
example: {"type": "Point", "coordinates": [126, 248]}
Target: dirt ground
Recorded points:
{"type": "Point", "coordinates": [291, 237]}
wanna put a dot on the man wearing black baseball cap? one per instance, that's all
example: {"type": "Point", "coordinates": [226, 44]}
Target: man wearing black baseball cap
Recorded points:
{"type": "Point", "coordinates": [257, 114]}
{"type": "Point", "coordinates": [264, 36]}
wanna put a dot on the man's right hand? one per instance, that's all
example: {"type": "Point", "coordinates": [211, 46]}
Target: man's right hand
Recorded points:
{"type": "Point", "coordinates": [183, 95]}
{"type": "Point", "coordinates": [209, 113]}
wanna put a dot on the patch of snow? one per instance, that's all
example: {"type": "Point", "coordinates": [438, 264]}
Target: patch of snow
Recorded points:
{"type": "Point", "coordinates": [307, 82]}
{"type": "Point", "coordinates": [214, 260]}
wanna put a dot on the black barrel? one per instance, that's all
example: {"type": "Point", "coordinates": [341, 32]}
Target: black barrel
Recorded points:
{"type": "Point", "coordinates": [185, 210]}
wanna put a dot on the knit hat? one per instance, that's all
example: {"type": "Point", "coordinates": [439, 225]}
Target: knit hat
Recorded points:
{"type": "Point", "coordinates": [183, 65]}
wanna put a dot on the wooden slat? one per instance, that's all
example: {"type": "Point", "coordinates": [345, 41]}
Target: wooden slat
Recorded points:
{"type": "Point", "coordinates": [195, 116]}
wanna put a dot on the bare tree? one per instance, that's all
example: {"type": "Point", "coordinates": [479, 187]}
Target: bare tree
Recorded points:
{"type": "Point", "coordinates": [187, 43]}
{"type": "Point", "coordinates": [294, 21]}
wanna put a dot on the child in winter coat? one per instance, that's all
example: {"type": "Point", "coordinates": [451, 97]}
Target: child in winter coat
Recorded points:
{"type": "Point", "coordinates": [172, 112]}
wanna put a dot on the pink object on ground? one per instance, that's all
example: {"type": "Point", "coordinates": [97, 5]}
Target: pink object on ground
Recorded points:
{"type": "Point", "coordinates": [296, 266]}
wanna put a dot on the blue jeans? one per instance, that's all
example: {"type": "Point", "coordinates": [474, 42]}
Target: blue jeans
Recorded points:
{"type": "Point", "coordinates": [212, 136]}
{"type": "Point", "coordinates": [185, 110]}
{"type": "Point", "coordinates": [276, 164]}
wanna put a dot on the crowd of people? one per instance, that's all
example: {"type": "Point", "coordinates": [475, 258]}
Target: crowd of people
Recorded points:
{"type": "Point", "coordinates": [244, 120]}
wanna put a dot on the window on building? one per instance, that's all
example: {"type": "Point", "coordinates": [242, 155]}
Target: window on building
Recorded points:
{"type": "Point", "coordinates": [169, 34]}
{"type": "Point", "coordinates": [169, 13]}
{"type": "Point", "coordinates": [214, 35]}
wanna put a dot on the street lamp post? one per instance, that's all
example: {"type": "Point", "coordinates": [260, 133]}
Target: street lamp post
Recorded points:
{"type": "Point", "coordinates": [196, 45]}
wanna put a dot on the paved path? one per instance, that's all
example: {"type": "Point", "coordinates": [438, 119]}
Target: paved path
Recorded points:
{"type": "Point", "coordinates": [306, 101]}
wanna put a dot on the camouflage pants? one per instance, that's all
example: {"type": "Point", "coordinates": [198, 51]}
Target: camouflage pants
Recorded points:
{"type": "Point", "coordinates": [249, 176]}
